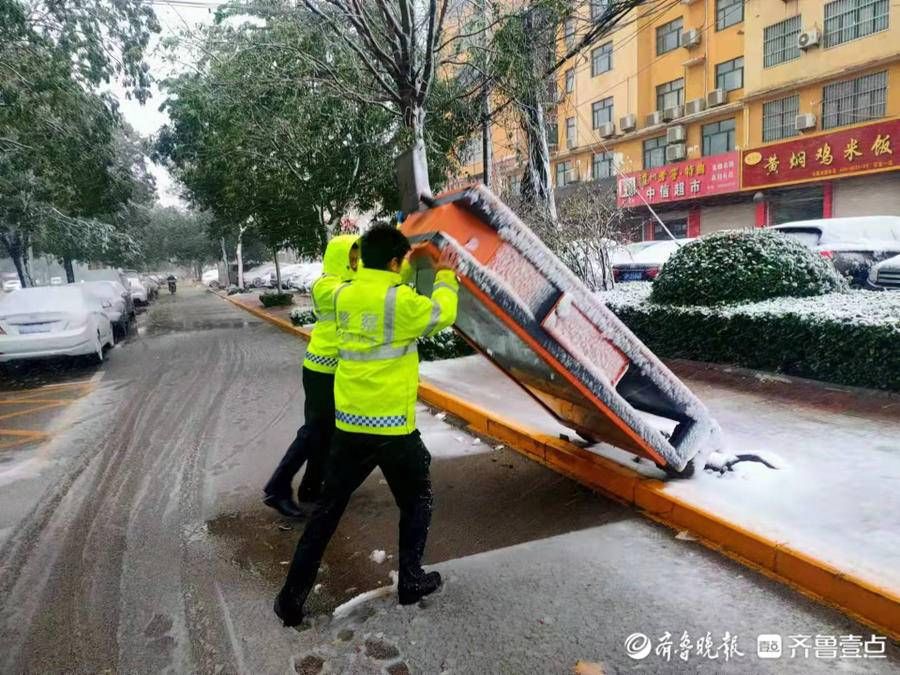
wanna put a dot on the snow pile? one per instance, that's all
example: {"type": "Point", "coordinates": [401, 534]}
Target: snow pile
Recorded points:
{"type": "Point", "coordinates": [378, 556]}
{"type": "Point", "coordinates": [741, 265]}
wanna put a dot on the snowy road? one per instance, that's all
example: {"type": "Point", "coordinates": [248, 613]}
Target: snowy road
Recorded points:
{"type": "Point", "coordinates": [134, 540]}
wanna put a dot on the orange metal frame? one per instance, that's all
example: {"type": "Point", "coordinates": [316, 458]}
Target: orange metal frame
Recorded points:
{"type": "Point", "coordinates": [462, 226]}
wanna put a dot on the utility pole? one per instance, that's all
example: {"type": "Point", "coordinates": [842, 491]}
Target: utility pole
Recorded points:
{"type": "Point", "coordinates": [487, 159]}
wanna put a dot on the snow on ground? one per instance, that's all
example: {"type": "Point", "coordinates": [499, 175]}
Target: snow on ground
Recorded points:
{"type": "Point", "coordinates": [835, 496]}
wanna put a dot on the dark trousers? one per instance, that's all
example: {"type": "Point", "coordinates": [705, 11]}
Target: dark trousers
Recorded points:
{"type": "Point", "coordinates": [404, 461]}
{"type": "Point", "coordinates": [311, 443]}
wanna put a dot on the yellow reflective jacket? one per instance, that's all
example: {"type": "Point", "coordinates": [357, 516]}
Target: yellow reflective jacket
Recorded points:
{"type": "Point", "coordinates": [379, 320]}
{"type": "Point", "coordinates": [322, 351]}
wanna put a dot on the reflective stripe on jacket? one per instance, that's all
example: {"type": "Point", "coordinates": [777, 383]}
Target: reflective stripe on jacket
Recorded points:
{"type": "Point", "coordinates": [322, 351]}
{"type": "Point", "coordinates": [379, 320]}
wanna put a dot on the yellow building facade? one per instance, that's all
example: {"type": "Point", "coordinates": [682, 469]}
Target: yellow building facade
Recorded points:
{"type": "Point", "coordinates": [685, 109]}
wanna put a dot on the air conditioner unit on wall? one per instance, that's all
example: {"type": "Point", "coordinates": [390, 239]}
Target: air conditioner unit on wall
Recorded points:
{"type": "Point", "coordinates": [673, 113]}
{"type": "Point", "coordinates": [716, 97]}
{"type": "Point", "coordinates": [690, 38]}
{"type": "Point", "coordinates": [805, 121]}
{"type": "Point", "coordinates": [694, 106]}
{"type": "Point", "coordinates": [628, 123]}
{"type": "Point", "coordinates": [676, 134]}
{"type": "Point", "coordinates": [655, 118]}
{"type": "Point", "coordinates": [675, 153]}
{"type": "Point", "coordinates": [606, 130]}
{"type": "Point", "coordinates": [808, 38]}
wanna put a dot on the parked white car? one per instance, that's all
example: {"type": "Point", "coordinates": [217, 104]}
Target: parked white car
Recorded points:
{"type": "Point", "coordinates": [139, 293]}
{"type": "Point", "coordinates": [53, 321]}
{"type": "Point", "coordinates": [116, 295]}
{"type": "Point", "coordinates": [643, 261]}
{"type": "Point", "coordinates": [11, 283]}
{"type": "Point", "coordinates": [886, 274]}
{"type": "Point", "coordinates": [852, 244]}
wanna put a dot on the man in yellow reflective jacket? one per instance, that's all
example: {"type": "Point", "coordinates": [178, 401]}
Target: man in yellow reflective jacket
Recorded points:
{"type": "Point", "coordinates": [379, 320]}
{"type": "Point", "coordinates": [314, 437]}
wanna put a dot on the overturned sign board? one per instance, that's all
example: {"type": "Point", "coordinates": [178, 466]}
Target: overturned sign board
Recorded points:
{"type": "Point", "coordinates": [528, 313]}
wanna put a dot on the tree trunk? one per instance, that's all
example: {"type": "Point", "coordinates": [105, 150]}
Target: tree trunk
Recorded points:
{"type": "Point", "coordinates": [414, 120]}
{"type": "Point", "coordinates": [13, 246]}
{"type": "Point", "coordinates": [537, 186]}
{"type": "Point", "coordinates": [225, 262]}
{"type": "Point", "coordinates": [26, 265]}
{"type": "Point", "coordinates": [239, 255]}
{"type": "Point", "coordinates": [70, 270]}
{"type": "Point", "coordinates": [277, 273]}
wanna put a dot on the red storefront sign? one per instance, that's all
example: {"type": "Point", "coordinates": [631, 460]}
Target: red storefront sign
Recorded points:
{"type": "Point", "coordinates": [860, 150]}
{"type": "Point", "coordinates": [694, 178]}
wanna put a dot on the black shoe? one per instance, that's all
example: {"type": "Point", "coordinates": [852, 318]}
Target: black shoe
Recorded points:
{"type": "Point", "coordinates": [289, 612]}
{"type": "Point", "coordinates": [411, 593]}
{"type": "Point", "coordinates": [284, 505]}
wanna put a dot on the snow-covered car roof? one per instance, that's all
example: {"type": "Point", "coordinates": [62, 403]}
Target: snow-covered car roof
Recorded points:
{"type": "Point", "coordinates": [68, 298]}
{"type": "Point", "coordinates": [854, 229]}
{"type": "Point", "coordinates": [656, 253]}
{"type": "Point", "coordinates": [105, 287]}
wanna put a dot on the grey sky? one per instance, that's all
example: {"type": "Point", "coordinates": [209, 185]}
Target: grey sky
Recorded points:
{"type": "Point", "coordinates": [147, 118]}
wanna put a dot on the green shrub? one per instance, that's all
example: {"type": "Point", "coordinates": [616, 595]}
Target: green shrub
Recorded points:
{"type": "Point", "coordinates": [735, 266]}
{"type": "Point", "coordinates": [445, 345]}
{"type": "Point", "coordinates": [845, 338]}
{"type": "Point", "coordinates": [276, 299]}
{"type": "Point", "coordinates": [302, 317]}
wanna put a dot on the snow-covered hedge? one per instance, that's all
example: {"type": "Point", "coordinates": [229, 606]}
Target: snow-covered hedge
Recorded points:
{"type": "Point", "coordinates": [301, 316]}
{"type": "Point", "coordinates": [445, 345]}
{"type": "Point", "coordinates": [847, 338]}
{"type": "Point", "coordinates": [276, 299]}
{"type": "Point", "coordinates": [741, 265]}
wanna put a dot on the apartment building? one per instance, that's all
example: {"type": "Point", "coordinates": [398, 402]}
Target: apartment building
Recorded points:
{"type": "Point", "coordinates": [725, 113]}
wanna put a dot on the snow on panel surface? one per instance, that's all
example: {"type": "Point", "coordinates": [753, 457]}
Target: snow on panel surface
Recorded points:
{"type": "Point", "coordinates": [704, 436]}
{"type": "Point", "coordinates": [571, 328]}
{"type": "Point", "coordinates": [528, 284]}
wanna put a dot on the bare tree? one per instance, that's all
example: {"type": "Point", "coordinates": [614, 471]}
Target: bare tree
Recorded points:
{"type": "Point", "coordinates": [396, 42]}
{"type": "Point", "coordinates": [588, 228]}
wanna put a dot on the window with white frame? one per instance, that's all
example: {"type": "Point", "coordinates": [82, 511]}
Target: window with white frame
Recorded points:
{"type": "Point", "coordinates": [847, 20]}
{"type": "Point", "coordinates": [654, 152]}
{"type": "Point", "coordinates": [570, 80]}
{"type": "Point", "coordinates": [670, 94]}
{"type": "Point", "coordinates": [601, 59]}
{"type": "Point", "coordinates": [857, 100]}
{"type": "Point", "coordinates": [602, 165]}
{"type": "Point", "coordinates": [601, 112]}
{"type": "Point", "coordinates": [570, 132]}
{"type": "Point", "coordinates": [728, 13]}
{"type": "Point", "coordinates": [779, 117]}
{"type": "Point", "coordinates": [730, 74]}
{"type": "Point", "coordinates": [668, 36]}
{"type": "Point", "coordinates": [780, 42]}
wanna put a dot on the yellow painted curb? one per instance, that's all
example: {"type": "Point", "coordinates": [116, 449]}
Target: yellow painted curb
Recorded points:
{"type": "Point", "coordinates": [877, 607]}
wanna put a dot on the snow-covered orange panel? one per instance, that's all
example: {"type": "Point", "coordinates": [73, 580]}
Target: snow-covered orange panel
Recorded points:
{"type": "Point", "coordinates": [526, 311]}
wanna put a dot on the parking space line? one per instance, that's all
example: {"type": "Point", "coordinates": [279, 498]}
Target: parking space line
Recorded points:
{"type": "Point", "coordinates": [36, 408]}
{"type": "Point", "coordinates": [22, 437]}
